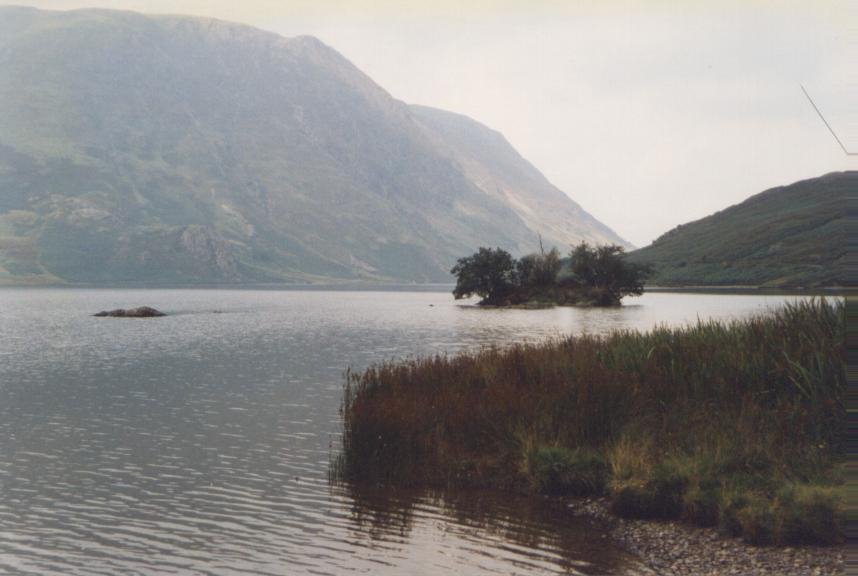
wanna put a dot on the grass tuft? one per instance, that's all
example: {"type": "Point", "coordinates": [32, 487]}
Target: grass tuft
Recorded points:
{"type": "Point", "coordinates": [559, 471]}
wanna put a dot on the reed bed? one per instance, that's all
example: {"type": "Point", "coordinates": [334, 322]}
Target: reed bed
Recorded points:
{"type": "Point", "coordinates": [738, 424]}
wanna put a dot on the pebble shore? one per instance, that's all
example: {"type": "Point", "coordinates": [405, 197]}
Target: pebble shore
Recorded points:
{"type": "Point", "coordinates": [676, 549]}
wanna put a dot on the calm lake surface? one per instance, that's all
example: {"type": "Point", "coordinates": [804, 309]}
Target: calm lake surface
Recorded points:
{"type": "Point", "coordinates": [200, 443]}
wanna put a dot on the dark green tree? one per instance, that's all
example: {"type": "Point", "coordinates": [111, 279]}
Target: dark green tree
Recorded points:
{"type": "Point", "coordinates": [525, 270]}
{"type": "Point", "coordinates": [489, 274]}
{"type": "Point", "coordinates": [538, 270]}
{"type": "Point", "coordinates": [604, 274]}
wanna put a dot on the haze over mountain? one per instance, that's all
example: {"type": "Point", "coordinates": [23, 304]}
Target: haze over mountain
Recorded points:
{"type": "Point", "coordinates": [170, 149]}
{"type": "Point", "coordinates": [788, 236]}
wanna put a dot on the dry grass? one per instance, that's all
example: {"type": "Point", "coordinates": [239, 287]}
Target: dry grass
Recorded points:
{"type": "Point", "coordinates": [713, 423]}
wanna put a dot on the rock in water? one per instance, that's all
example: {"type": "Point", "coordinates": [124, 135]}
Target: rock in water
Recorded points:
{"type": "Point", "coordinates": [142, 312]}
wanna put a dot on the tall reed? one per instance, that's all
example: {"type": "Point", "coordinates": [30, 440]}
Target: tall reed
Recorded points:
{"type": "Point", "coordinates": [739, 423]}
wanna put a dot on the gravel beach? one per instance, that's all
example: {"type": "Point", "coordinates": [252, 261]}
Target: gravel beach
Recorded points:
{"type": "Point", "coordinates": [676, 549]}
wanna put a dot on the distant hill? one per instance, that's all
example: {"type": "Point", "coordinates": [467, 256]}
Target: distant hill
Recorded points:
{"type": "Point", "coordinates": [170, 149]}
{"type": "Point", "coordinates": [790, 236]}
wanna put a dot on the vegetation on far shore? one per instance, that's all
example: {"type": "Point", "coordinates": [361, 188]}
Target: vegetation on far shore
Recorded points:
{"type": "Point", "coordinates": [592, 276]}
{"type": "Point", "coordinates": [740, 425]}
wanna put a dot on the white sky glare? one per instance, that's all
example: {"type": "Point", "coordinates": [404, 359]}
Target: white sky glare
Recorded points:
{"type": "Point", "coordinates": [648, 113]}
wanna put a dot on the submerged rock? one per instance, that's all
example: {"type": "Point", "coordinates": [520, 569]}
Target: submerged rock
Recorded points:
{"type": "Point", "coordinates": [142, 312]}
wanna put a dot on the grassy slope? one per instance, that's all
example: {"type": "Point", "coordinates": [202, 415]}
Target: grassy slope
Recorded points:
{"type": "Point", "coordinates": [740, 424]}
{"type": "Point", "coordinates": [791, 236]}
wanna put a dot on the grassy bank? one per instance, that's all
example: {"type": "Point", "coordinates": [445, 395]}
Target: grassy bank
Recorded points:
{"type": "Point", "coordinates": [741, 425]}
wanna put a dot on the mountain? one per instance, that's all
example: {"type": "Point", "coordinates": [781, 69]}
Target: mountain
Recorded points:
{"type": "Point", "coordinates": [790, 236]}
{"type": "Point", "coordinates": [140, 148]}
{"type": "Point", "coordinates": [499, 171]}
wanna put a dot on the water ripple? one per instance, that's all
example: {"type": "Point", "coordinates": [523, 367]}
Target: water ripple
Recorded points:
{"type": "Point", "coordinates": [199, 443]}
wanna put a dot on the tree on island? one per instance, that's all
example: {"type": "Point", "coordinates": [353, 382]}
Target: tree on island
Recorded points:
{"type": "Point", "coordinates": [489, 274]}
{"type": "Point", "coordinates": [595, 276]}
{"type": "Point", "coordinates": [604, 274]}
{"type": "Point", "coordinates": [538, 270]}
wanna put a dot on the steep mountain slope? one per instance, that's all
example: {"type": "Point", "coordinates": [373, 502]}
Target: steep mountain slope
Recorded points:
{"type": "Point", "coordinates": [499, 171]}
{"type": "Point", "coordinates": [788, 236]}
{"type": "Point", "coordinates": [141, 148]}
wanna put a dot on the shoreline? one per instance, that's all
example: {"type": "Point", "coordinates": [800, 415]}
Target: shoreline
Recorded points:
{"type": "Point", "coordinates": [761, 290]}
{"type": "Point", "coordinates": [348, 285]}
{"type": "Point", "coordinates": [673, 548]}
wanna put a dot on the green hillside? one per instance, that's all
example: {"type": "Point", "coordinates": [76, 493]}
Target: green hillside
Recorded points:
{"type": "Point", "coordinates": [790, 236]}
{"type": "Point", "coordinates": [141, 148]}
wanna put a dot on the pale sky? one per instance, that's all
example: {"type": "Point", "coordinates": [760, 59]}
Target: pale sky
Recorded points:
{"type": "Point", "coordinates": [648, 113]}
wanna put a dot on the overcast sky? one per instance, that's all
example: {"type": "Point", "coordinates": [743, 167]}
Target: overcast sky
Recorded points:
{"type": "Point", "coordinates": [648, 113]}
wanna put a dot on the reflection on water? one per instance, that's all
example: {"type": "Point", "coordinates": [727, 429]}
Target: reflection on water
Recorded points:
{"type": "Point", "coordinates": [199, 443]}
{"type": "Point", "coordinates": [495, 533]}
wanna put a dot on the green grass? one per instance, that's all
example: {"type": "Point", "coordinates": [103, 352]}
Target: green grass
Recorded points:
{"type": "Point", "coordinates": [561, 471]}
{"type": "Point", "coordinates": [740, 425]}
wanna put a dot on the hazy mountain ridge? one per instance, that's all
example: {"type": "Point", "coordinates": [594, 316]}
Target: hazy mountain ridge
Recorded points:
{"type": "Point", "coordinates": [156, 148]}
{"type": "Point", "coordinates": [500, 171]}
{"type": "Point", "coordinates": [789, 236]}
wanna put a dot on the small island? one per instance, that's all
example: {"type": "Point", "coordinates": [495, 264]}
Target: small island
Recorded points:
{"type": "Point", "coordinates": [141, 312]}
{"type": "Point", "coordinates": [590, 276]}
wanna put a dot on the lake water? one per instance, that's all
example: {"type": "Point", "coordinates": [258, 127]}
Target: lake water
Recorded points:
{"type": "Point", "coordinates": [199, 443]}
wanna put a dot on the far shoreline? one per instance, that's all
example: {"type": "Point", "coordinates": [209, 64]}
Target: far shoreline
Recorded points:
{"type": "Point", "coordinates": [762, 290]}
{"type": "Point", "coordinates": [348, 286]}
